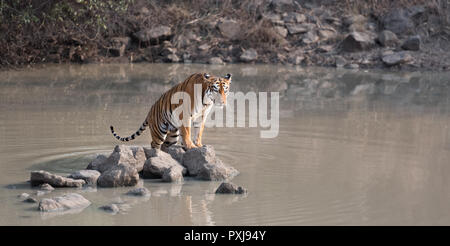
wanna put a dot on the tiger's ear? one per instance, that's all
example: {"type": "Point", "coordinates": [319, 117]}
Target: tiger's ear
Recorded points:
{"type": "Point", "coordinates": [228, 76]}
{"type": "Point", "coordinates": [206, 75]}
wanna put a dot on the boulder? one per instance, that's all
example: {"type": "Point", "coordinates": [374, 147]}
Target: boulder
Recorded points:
{"type": "Point", "coordinates": [173, 174]}
{"type": "Point", "coordinates": [153, 34]}
{"type": "Point", "coordinates": [412, 43]}
{"type": "Point", "coordinates": [111, 208]}
{"type": "Point", "coordinates": [229, 28]}
{"type": "Point", "coordinates": [388, 38]}
{"type": "Point", "coordinates": [46, 187]}
{"type": "Point", "coordinates": [176, 151]}
{"type": "Point", "coordinates": [133, 156]}
{"type": "Point", "coordinates": [230, 188]}
{"type": "Point", "coordinates": [65, 202]}
{"type": "Point", "coordinates": [120, 175]}
{"type": "Point", "coordinates": [139, 192]}
{"type": "Point", "coordinates": [357, 41]}
{"type": "Point", "coordinates": [217, 171]}
{"type": "Point", "coordinates": [249, 55]}
{"type": "Point", "coordinates": [42, 177]}
{"type": "Point", "coordinates": [397, 58]}
{"type": "Point", "coordinates": [398, 21]}
{"type": "Point", "coordinates": [157, 163]}
{"type": "Point", "coordinates": [90, 176]}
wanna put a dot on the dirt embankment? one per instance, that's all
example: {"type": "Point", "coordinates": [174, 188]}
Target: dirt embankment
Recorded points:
{"type": "Point", "coordinates": [350, 33]}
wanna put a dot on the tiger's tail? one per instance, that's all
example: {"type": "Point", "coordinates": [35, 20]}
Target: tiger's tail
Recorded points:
{"type": "Point", "coordinates": [133, 136]}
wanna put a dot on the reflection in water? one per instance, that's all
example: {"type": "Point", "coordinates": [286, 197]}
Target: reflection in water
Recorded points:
{"type": "Point", "coordinates": [354, 148]}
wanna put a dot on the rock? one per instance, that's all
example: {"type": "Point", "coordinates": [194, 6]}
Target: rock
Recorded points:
{"type": "Point", "coordinates": [355, 23]}
{"type": "Point", "coordinates": [203, 164]}
{"type": "Point", "coordinates": [65, 202]}
{"type": "Point", "coordinates": [23, 196]}
{"type": "Point", "coordinates": [41, 193]}
{"type": "Point", "coordinates": [229, 28]}
{"type": "Point", "coordinates": [310, 37]}
{"type": "Point", "coordinates": [230, 188]}
{"type": "Point", "coordinates": [340, 61]}
{"type": "Point", "coordinates": [327, 34]}
{"type": "Point", "coordinates": [120, 175]}
{"type": "Point", "coordinates": [133, 156]}
{"type": "Point", "coordinates": [281, 31]}
{"type": "Point", "coordinates": [97, 162]}
{"type": "Point", "coordinates": [215, 61]}
{"type": "Point", "coordinates": [174, 174]}
{"type": "Point", "coordinates": [293, 17]}
{"type": "Point", "coordinates": [412, 43]}
{"type": "Point", "coordinates": [357, 41]}
{"type": "Point", "coordinates": [249, 55]}
{"type": "Point", "coordinates": [388, 39]}
{"type": "Point", "coordinates": [46, 187]}
{"type": "Point", "coordinates": [352, 66]}
{"type": "Point", "coordinates": [274, 18]}
{"type": "Point", "coordinates": [398, 21]}
{"type": "Point", "coordinates": [111, 208]}
{"type": "Point", "coordinates": [397, 58]}
{"type": "Point", "coordinates": [324, 48]}
{"type": "Point", "coordinates": [119, 44]}
{"type": "Point", "coordinates": [204, 47]}
{"type": "Point", "coordinates": [298, 28]}
{"type": "Point", "coordinates": [153, 34]}
{"type": "Point", "coordinates": [42, 177]}
{"type": "Point", "coordinates": [90, 176]}
{"type": "Point", "coordinates": [157, 163]}
{"type": "Point", "coordinates": [139, 192]}
{"type": "Point", "coordinates": [217, 171]}
{"type": "Point", "coordinates": [30, 200]}
{"type": "Point", "coordinates": [172, 58]}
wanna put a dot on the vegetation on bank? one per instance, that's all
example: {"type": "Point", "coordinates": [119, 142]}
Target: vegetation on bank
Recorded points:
{"type": "Point", "coordinates": [35, 31]}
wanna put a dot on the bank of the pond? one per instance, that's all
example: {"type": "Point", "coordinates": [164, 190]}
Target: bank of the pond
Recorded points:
{"type": "Point", "coordinates": [351, 34]}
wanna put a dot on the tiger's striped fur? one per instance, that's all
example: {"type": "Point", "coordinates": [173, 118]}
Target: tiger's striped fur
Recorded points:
{"type": "Point", "coordinates": [160, 118]}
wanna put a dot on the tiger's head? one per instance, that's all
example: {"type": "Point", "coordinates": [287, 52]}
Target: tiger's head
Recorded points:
{"type": "Point", "coordinates": [217, 89]}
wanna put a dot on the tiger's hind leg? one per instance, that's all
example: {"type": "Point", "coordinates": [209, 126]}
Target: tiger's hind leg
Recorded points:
{"type": "Point", "coordinates": [159, 134]}
{"type": "Point", "coordinates": [171, 139]}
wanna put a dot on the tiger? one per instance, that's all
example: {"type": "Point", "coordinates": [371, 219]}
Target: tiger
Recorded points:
{"type": "Point", "coordinates": [163, 123]}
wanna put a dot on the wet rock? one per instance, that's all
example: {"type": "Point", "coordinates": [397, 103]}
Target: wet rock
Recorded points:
{"type": "Point", "coordinates": [153, 34]}
{"type": "Point", "coordinates": [46, 187]}
{"type": "Point", "coordinates": [249, 55]}
{"type": "Point", "coordinates": [310, 37]}
{"type": "Point", "coordinates": [357, 41]}
{"type": "Point", "coordinates": [215, 61]}
{"type": "Point", "coordinates": [90, 176]}
{"type": "Point", "coordinates": [203, 164]}
{"type": "Point", "coordinates": [30, 200]}
{"type": "Point", "coordinates": [157, 163]}
{"type": "Point", "coordinates": [230, 188]}
{"type": "Point", "coordinates": [42, 177]}
{"type": "Point", "coordinates": [216, 172]}
{"type": "Point", "coordinates": [111, 208]}
{"type": "Point", "coordinates": [24, 195]}
{"type": "Point", "coordinates": [229, 28]}
{"type": "Point", "coordinates": [412, 43]}
{"type": "Point", "coordinates": [397, 58]}
{"type": "Point", "coordinates": [65, 202]}
{"type": "Point", "coordinates": [388, 38]}
{"type": "Point", "coordinates": [298, 28]}
{"type": "Point", "coordinates": [120, 175]}
{"type": "Point", "coordinates": [139, 192]}
{"type": "Point", "coordinates": [398, 21]}
{"type": "Point", "coordinates": [281, 31]}
{"type": "Point", "coordinates": [133, 156]}
{"type": "Point", "coordinates": [173, 174]}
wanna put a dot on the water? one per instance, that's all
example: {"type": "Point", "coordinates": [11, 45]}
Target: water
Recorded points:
{"type": "Point", "coordinates": [355, 147]}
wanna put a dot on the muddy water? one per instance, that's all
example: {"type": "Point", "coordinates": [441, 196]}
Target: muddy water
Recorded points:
{"type": "Point", "coordinates": [354, 148]}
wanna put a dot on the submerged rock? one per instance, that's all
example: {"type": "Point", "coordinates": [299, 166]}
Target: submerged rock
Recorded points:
{"type": "Point", "coordinates": [158, 162]}
{"type": "Point", "coordinates": [23, 196]}
{"type": "Point", "coordinates": [120, 175]}
{"type": "Point", "coordinates": [133, 156]}
{"type": "Point", "coordinates": [89, 176]}
{"type": "Point", "coordinates": [42, 177]}
{"type": "Point", "coordinates": [65, 202]}
{"type": "Point", "coordinates": [139, 192]}
{"type": "Point", "coordinates": [110, 208]}
{"type": "Point", "coordinates": [230, 188]}
{"type": "Point", "coordinates": [30, 200]}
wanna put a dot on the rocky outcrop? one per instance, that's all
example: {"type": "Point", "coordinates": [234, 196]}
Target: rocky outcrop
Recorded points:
{"type": "Point", "coordinates": [230, 188]}
{"type": "Point", "coordinates": [42, 177]}
{"type": "Point", "coordinates": [89, 176]}
{"type": "Point", "coordinates": [120, 175]}
{"type": "Point", "coordinates": [65, 202]}
{"type": "Point", "coordinates": [158, 162]}
{"type": "Point", "coordinates": [129, 155]}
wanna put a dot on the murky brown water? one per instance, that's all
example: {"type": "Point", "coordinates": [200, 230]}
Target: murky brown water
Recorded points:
{"type": "Point", "coordinates": [354, 148]}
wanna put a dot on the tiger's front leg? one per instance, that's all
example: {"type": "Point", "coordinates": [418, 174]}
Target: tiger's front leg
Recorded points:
{"type": "Point", "coordinates": [186, 135]}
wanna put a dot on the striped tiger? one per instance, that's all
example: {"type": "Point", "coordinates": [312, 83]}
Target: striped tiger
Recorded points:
{"type": "Point", "coordinates": [163, 123]}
